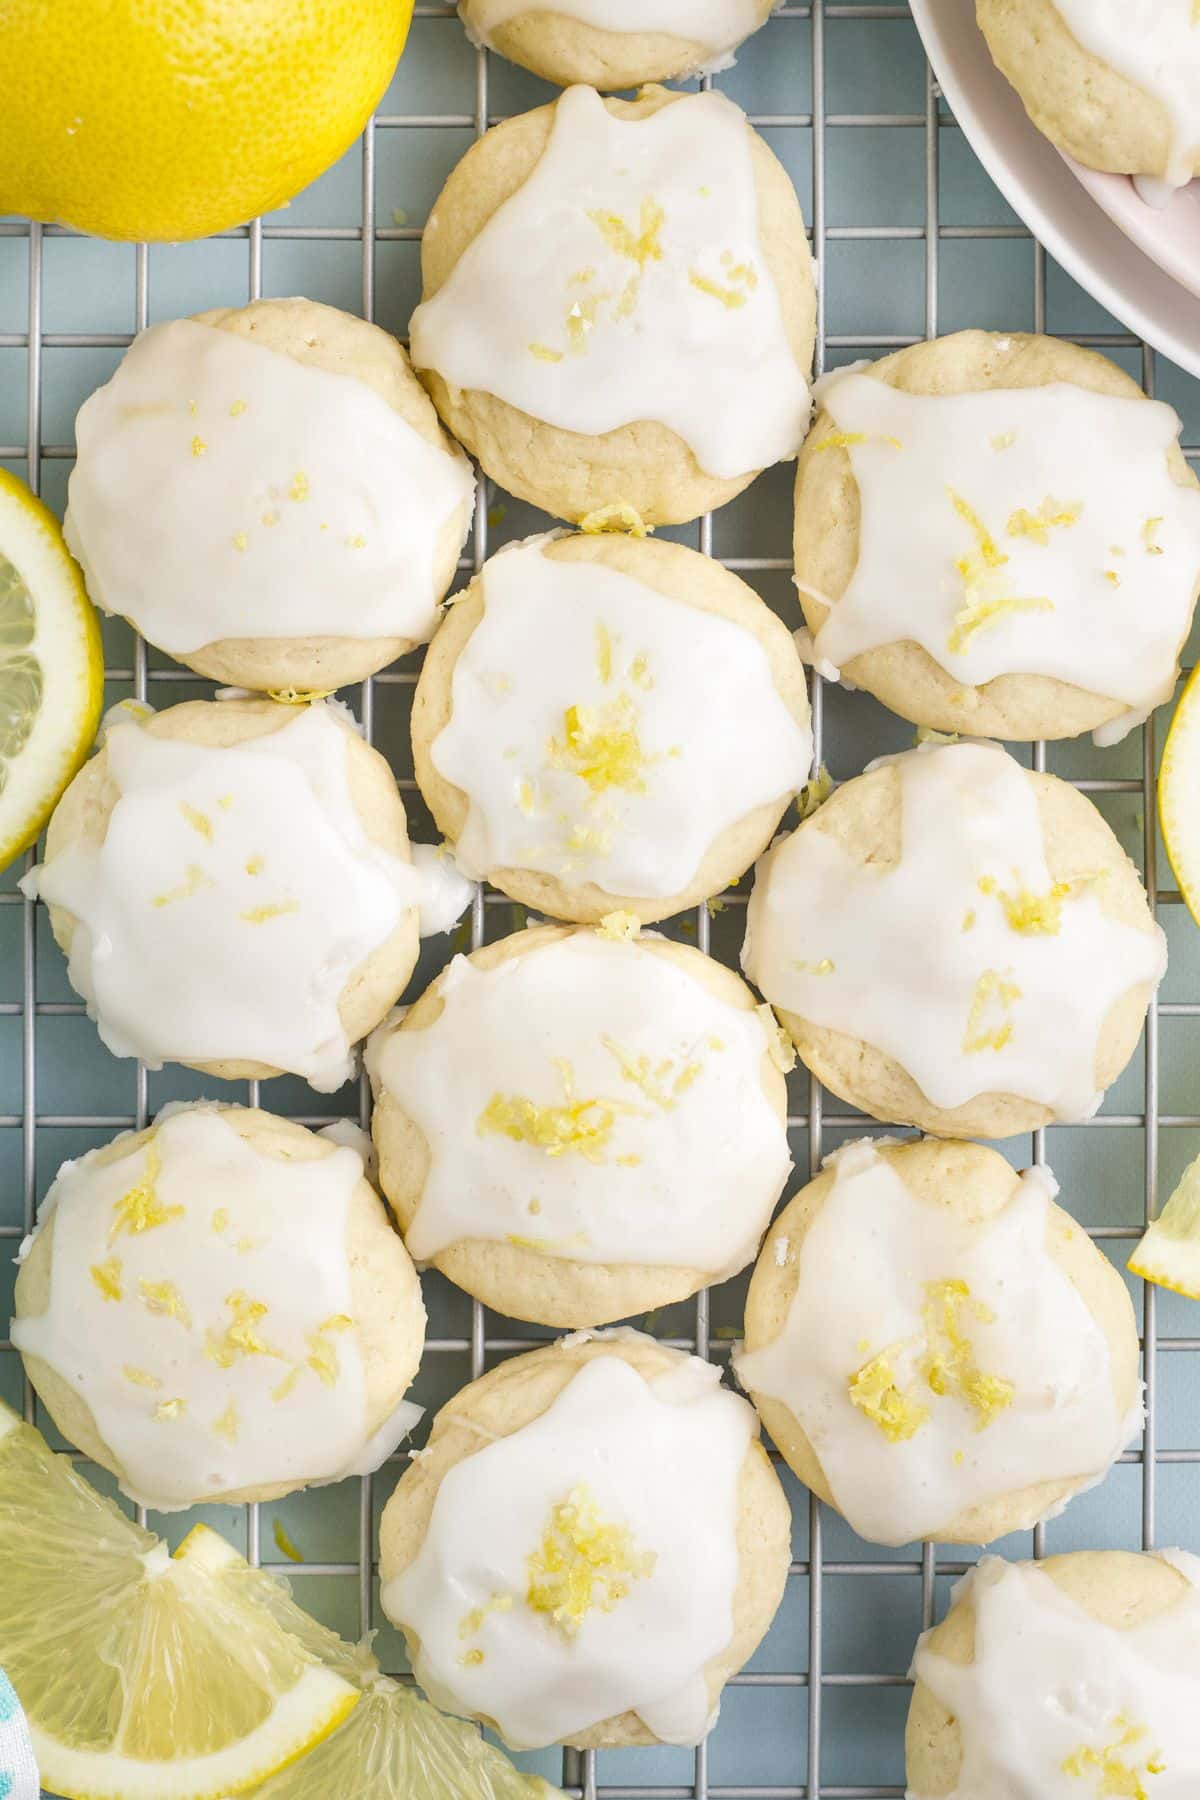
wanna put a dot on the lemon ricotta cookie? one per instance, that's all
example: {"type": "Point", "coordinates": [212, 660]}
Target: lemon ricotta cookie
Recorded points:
{"type": "Point", "coordinates": [231, 883]}
{"type": "Point", "coordinates": [957, 943]}
{"type": "Point", "coordinates": [576, 1127]}
{"type": "Point", "coordinates": [615, 43]}
{"type": "Point", "coordinates": [998, 535]}
{"type": "Point", "coordinates": [265, 493]}
{"type": "Point", "coordinates": [593, 1542]}
{"type": "Point", "coordinates": [605, 722]}
{"type": "Point", "coordinates": [1114, 83]}
{"type": "Point", "coordinates": [1075, 1676]}
{"type": "Point", "coordinates": [619, 306]}
{"type": "Point", "coordinates": [217, 1308]}
{"type": "Point", "coordinates": [936, 1348]}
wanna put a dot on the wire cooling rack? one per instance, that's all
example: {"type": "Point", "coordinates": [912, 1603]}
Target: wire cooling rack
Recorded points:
{"type": "Point", "coordinates": [910, 239]}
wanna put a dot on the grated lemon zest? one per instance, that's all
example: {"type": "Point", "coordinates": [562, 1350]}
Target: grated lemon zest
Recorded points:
{"type": "Point", "coordinates": [976, 571]}
{"type": "Point", "coordinates": [1038, 525]}
{"type": "Point", "coordinates": [241, 1336]}
{"type": "Point", "coordinates": [199, 821]}
{"type": "Point", "coordinates": [847, 440]}
{"type": "Point", "coordinates": [1004, 440]}
{"type": "Point", "coordinates": [985, 544]}
{"type": "Point", "coordinates": [639, 673]}
{"type": "Point", "coordinates": [620, 516]}
{"type": "Point", "coordinates": [165, 1299]}
{"type": "Point", "coordinates": [824, 967]}
{"type": "Point", "coordinates": [620, 926]}
{"type": "Point", "coordinates": [601, 745]}
{"type": "Point", "coordinates": [604, 653]}
{"type": "Point", "coordinates": [641, 248]}
{"type": "Point", "coordinates": [199, 447]}
{"type": "Point", "coordinates": [254, 865]}
{"type": "Point", "coordinates": [1034, 915]}
{"type": "Point", "coordinates": [991, 986]}
{"type": "Point", "coordinates": [194, 880]}
{"type": "Point", "coordinates": [976, 615]}
{"type": "Point", "coordinates": [238, 408]}
{"type": "Point", "coordinates": [270, 519]}
{"type": "Point", "coordinates": [471, 1659]}
{"type": "Point", "coordinates": [170, 1409]}
{"type": "Point", "coordinates": [950, 1366]}
{"type": "Point", "coordinates": [322, 1358]}
{"type": "Point", "coordinates": [874, 1390]}
{"type": "Point", "coordinates": [584, 1563]}
{"type": "Point", "coordinates": [1120, 1777]}
{"type": "Point", "coordinates": [1111, 576]}
{"type": "Point", "coordinates": [732, 297]}
{"type": "Point", "coordinates": [544, 353]}
{"type": "Point", "coordinates": [580, 1126]}
{"type": "Point", "coordinates": [260, 915]}
{"type": "Point", "coordinates": [107, 1277]}
{"type": "Point", "coordinates": [286, 1386]}
{"type": "Point", "coordinates": [228, 1424]}
{"type": "Point", "coordinates": [1151, 526]}
{"type": "Point", "coordinates": [240, 541]}
{"type": "Point", "coordinates": [662, 1083]}
{"type": "Point", "coordinates": [139, 1208]}
{"type": "Point", "coordinates": [220, 1218]}
{"type": "Point", "coordinates": [140, 1377]}
{"type": "Point", "coordinates": [298, 488]}
{"type": "Point", "coordinates": [968, 919]}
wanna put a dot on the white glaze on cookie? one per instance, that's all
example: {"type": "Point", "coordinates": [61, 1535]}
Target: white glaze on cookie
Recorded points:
{"type": "Point", "coordinates": [606, 732]}
{"type": "Point", "coordinates": [235, 893]}
{"type": "Point", "coordinates": [913, 1424]}
{"type": "Point", "coordinates": [200, 1305]}
{"type": "Point", "coordinates": [225, 490]}
{"type": "Point", "coordinates": [1029, 531]}
{"type": "Point", "coordinates": [921, 962]}
{"type": "Point", "coordinates": [676, 1161]}
{"type": "Point", "coordinates": [626, 280]}
{"type": "Point", "coordinates": [719, 25]}
{"type": "Point", "coordinates": [660, 1460]}
{"type": "Point", "coordinates": [1057, 1706]}
{"type": "Point", "coordinates": [1156, 45]}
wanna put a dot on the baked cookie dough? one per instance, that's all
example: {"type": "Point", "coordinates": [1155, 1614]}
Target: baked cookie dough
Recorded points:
{"type": "Point", "coordinates": [1074, 1676]}
{"type": "Point", "coordinates": [577, 1127]}
{"type": "Point", "coordinates": [619, 305]}
{"type": "Point", "coordinates": [614, 43]}
{"type": "Point", "coordinates": [1114, 83]}
{"type": "Point", "coordinates": [216, 1308]}
{"type": "Point", "coordinates": [609, 723]}
{"type": "Point", "coordinates": [998, 535]}
{"type": "Point", "coordinates": [592, 1543]}
{"type": "Point", "coordinates": [957, 943]}
{"type": "Point", "coordinates": [936, 1348]}
{"type": "Point", "coordinates": [265, 493]}
{"type": "Point", "coordinates": [232, 885]}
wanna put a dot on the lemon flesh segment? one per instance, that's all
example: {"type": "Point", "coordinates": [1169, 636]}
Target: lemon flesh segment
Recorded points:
{"type": "Point", "coordinates": [51, 667]}
{"type": "Point", "coordinates": [1179, 795]}
{"type": "Point", "coordinates": [143, 1678]}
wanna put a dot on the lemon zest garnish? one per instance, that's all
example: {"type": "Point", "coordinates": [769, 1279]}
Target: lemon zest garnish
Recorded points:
{"type": "Point", "coordinates": [985, 544]}
{"type": "Point", "coordinates": [471, 1659]}
{"type": "Point", "coordinates": [140, 1377]}
{"type": "Point", "coordinates": [220, 1218]}
{"type": "Point", "coordinates": [227, 1425]}
{"type": "Point", "coordinates": [976, 570]}
{"type": "Point", "coordinates": [824, 967]}
{"type": "Point", "coordinates": [875, 1392]}
{"type": "Point", "coordinates": [107, 1277]}
{"type": "Point", "coordinates": [662, 1083]}
{"type": "Point", "coordinates": [199, 821]}
{"type": "Point", "coordinates": [620, 926]}
{"type": "Point", "coordinates": [968, 919]}
{"type": "Point", "coordinates": [639, 673]}
{"type": "Point", "coordinates": [254, 865]}
{"type": "Point", "coordinates": [977, 614]}
{"type": "Point", "coordinates": [620, 516]}
{"type": "Point", "coordinates": [601, 745]}
{"type": "Point", "coordinates": [1038, 525]}
{"type": "Point", "coordinates": [241, 1336]}
{"type": "Point", "coordinates": [238, 408]}
{"type": "Point", "coordinates": [322, 1358]}
{"type": "Point", "coordinates": [847, 440]}
{"type": "Point", "coordinates": [604, 653]}
{"type": "Point", "coordinates": [298, 489]}
{"type": "Point", "coordinates": [950, 1366]}
{"type": "Point", "coordinates": [732, 297]}
{"type": "Point", "coordinates": [619, 236]}
{"type": "Point", "coordinates": [581, 1126]}
{"type": "Point", "coordinates": [336, 1322]}
{"type": "Point", "coordinates": [584, 1562]}
{"type": "Point", "coordinates": [472, 1622]}
{"type": "Point", "coordinates": [194, 880]}
{"type": "Point", "coordinates": [1152, 525]}
{"type": "Point", "coordinates": [991, 986]}
{"type": "Point", "coordinates": [779, 1046]}
{"type": "Point", "coordinates": [581, 277]}
{"type": "Point", "coordinates": [286, 1386]}
{"type": "Point", "coordinates": [139, 1208]}
{"type": "Point", "coordinates": [1111, 576]}
{"type": "Point", "coordinates": [284, 1543]}
{"type": "Point", "coordinates": [1034, 915]}
{"type": "Point", "coordinates": [1119, 1776]}
{"type": "Point", "coordinates": [240, 541]}
{"type": "Point", "coordinates": [1004, 440]}
{"type": "Point", "coordinates": [357, 542]}
{"type": "Point", "coordinates": [164, 1298]}
{"type": "Point", "coordinates": [170, 1409]}
{"type": "Point", "coordinates": [544, 353]}
{"type": "Point", "coordinates": [259, 915]}
{"type": "Point", "coordinates": [199, 447]}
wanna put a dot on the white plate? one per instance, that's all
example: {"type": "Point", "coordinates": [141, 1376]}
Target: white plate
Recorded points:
{"type": "Point", "coordinates": [1169, 235]}
{"type": "Point", "coordinates": [1041, 187]}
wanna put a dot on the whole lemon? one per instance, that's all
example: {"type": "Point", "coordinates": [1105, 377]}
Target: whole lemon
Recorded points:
{"type": "Point", "coordinates": [170, 119]}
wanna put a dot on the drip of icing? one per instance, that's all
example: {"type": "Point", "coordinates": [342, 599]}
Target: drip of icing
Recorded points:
{"type": "Point", "coordinates": [1052, 1692]}
{"type": "Point", "coordinates": [717, 25]}
{"type": "Point", "coordinates": [1040, 600]}
{"type": "Point", "coordinates": [870, 1263]}
{"type": "Point", "coordinates": [224, 490]}
{"type": "Point", "coordinates": [661, 1462]}
{"type": "Point", "coordinates": [605, 732]}
{"type": "Point", "coordinates": [678, 1159]}
{"type": "Point", "coordinates": [626, 280]}
{"type": "Point", "coordinates": [1156, 45]}
{"type": "Point", "coordinates": [445, 892]}
{"type": "Point", "coordinates": [925, 964]}
{"type": "Point", "coordinates": [235, 893]}
{"type": "Point", "coordinates": [270, 1395]}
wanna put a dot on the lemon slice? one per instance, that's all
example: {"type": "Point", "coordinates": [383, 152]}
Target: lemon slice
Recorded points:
{"type": "Point", "coordinates": [394, 1745]}
{"type": "Point", "coordinates": [1169, 1254]}
{"type": "Point", "coordinates": [144, 1678]}
{"type": "Point", "coordinates": [51, 666]}
{"type": "Point", "coordinates": [1179, 794]}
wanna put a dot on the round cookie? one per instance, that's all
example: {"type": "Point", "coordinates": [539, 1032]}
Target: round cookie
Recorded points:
{"type": "Point", "coordinates": [601, 1203]}
{"type": "Point", "coordinates": [274, 465]}
{"type": "Point", "coordinates": [980, 918]}
{"type": "Point", "coordinates": [356, 833]}
{"type": "Point", "coordinates": [588, 749]}
{"type": "Point", "coordinates": [142, 1322]}
{"type": "Point", "coordinates": [661, 1551]}
{"type": "Point", "coordinates": [1122, 1624]}
{"type": "Point", "coordinates": [1107, 84]}
{"type": "Point", "coordinates": [1132, 639]}
{"type": "Point", "coordinates": [936, 1348]}
{"type": "Point", "coordinates": [621, 261]}
{"type": "Point", "coordinates": [570, 41]}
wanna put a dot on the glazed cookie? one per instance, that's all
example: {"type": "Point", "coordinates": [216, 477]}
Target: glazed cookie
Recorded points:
{"type": "Point", "coordinates": [619, 305]}
{"type": "Point", "coordinates": [1075, 1676]}
{"type": "Point", "coordinates": [937, 1349]}
{"type": "Point", "coordinates": [591, 1545]}
{"type": "Point", "coordinates": [265, 493]}
{"type": "Point", "coordinates": [957, 943]}
{"type": "Point", "coordinates": [617, 45]}
{"type": "Point", "coordinates": [998, 535]}
{"type": "Point", "coordinates": [609, 723]}
{"type": "Point", "coordinates": [231, 882]}
{"type": "Point", "coordinates": [577, 1127]}
{"type": "Point", "coordinates": [1114, 83]}
{"type": "Point", "coordinates": [217, 1308]}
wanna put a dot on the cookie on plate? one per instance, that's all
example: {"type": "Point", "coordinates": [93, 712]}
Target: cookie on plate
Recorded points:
{"type": "Point", "coordinates": [614, 46]}
{"type": "Point", "coordinates": [957, 943]}
{"type": "Point", "coordinates": [592, 1543]}
{"type": "Point", "coordinates": [265, 493]}
{"type": "Point", "coordinates": [618, 308]}
{"type": "Point", "coordinates": [998, 535]}
{"type": "Point", "coordinates": [938, 1350]}
{"type": "Point", "coordinates": [216, 1308]}
{"type": "Point", "coordinates": [607, 723]}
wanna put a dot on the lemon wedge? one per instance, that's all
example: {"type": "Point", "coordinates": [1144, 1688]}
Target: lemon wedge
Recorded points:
{"type": "Point", "coordinates": [1179, 794]}
{"type": "Point", "coordinates": [51, 666]}
{"type": "Point", "coordinates": [1169, 1254]}
{"type": "Point", "coordinates": [394, 1745]}
{"type": "Point", "coordinates": [144, 1677]}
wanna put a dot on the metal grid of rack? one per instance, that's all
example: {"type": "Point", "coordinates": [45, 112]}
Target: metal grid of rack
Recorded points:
{"type": "Point", "coordinates": [819, 1700]}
